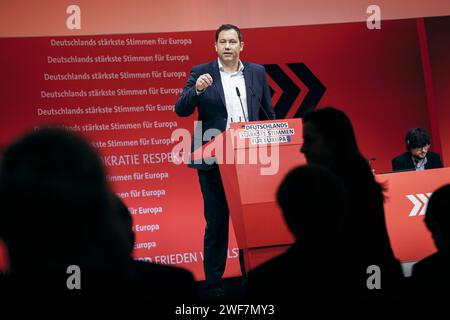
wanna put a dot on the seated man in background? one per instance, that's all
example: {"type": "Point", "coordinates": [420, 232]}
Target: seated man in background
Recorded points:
{"type": "Point", "coordinates": [418, 156]}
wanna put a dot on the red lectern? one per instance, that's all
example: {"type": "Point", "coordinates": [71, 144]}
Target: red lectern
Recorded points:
{"type": "Point", "coordinates": [405, 206]}
{"type": "Point", "coordinates": [253, 158]}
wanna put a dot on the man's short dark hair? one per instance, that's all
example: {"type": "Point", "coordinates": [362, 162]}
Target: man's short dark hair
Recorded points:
{"type": "Point", "coordinates": [228, 27]}
{"type": "Point", "coordinates": [416, 138]}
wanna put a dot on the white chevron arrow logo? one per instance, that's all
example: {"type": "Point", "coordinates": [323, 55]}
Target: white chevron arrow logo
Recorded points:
{"type": "Point", "coordinates": [420, 202]}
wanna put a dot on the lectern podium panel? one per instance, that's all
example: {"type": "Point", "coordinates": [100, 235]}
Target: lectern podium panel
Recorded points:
{"type": "Point", "coordinates": [253, 158]}
{"type": "Point", "coordinates": [405, 206]}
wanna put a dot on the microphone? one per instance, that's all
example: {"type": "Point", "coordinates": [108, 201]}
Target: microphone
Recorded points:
{"type": "Point", "coordinates": [260, 105]}
{"type": "Point", "coordinates": [242, 106]}
{"type": "Point", "coordinates": [371, 161]}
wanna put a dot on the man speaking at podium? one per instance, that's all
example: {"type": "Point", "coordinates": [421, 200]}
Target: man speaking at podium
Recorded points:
{"type": "Point", "coordinates": [223, 91]}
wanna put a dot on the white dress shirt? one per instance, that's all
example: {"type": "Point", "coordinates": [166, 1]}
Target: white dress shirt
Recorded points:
{"type": "Point", "coordinates": [420, 165]}
{"type": "Point", "coordinates": [229, 83]}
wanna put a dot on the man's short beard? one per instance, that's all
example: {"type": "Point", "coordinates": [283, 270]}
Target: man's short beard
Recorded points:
{"type": "Point", "coordinates": [419, 158]}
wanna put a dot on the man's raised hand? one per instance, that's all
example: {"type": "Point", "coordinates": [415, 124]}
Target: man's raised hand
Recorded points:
{"type": "Point", "coordinates": [203, 82]}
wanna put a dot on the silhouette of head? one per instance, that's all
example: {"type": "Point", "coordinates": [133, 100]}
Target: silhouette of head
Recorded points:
{"type": "Point", "coordinates": [312, 201]}
{"type": "Point", "coordinates": [437, 218]}
{"type": "Point", "coordinates": [123, 226]}
{"type": "Point", "coordinates": [54, 197]}
{"type": "Point", "coordinates": [328, 137]}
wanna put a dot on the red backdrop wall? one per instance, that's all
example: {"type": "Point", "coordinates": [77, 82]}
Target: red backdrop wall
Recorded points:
{"type": "Point", "coordinates": [439, 47]}
{"type": "Point", "coordinates": [375, 76]}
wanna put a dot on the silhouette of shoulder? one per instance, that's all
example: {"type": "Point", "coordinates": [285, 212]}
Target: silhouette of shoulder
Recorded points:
{"type": "Point", "coordinates": [163, 282]}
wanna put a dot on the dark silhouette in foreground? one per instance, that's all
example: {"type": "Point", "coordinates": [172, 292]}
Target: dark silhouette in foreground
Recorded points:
{"type": "Point", "coordinates": [57, 211]}
{"type": "Point", "coordinates": [313, 205]}
{"type": "Point", "coordinates": [431, 276]}
{"type": "Point", "coordinates": [329, 140]}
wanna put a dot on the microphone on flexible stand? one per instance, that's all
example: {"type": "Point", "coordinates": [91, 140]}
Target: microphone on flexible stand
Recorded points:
{"type": "Point", "coordinates": [371, 160]}
{"type": "Point", "coordinates": [260, 105]}
{"type": "Point", "coordinates": [242, 106]}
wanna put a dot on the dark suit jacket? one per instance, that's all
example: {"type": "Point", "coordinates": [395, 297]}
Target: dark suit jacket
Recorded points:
{"type": "Point", "coordinates": [405, 162]}
{"type": "Point", "coordinates": [211, 103]}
